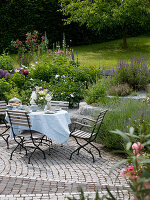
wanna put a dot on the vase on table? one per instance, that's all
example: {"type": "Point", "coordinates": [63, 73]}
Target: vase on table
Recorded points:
{"type": "Point", "coordinates": [41, 106]}
{"type": "Point", "coordinates": [48, 99]}
{"type": "Point", "coordinates": [48, 107]}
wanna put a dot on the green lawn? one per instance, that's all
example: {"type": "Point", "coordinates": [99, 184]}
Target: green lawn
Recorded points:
{"type": "Point", "coordinates": [107, 54]}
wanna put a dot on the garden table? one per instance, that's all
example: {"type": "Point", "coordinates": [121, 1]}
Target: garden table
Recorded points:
{"type": "Point", "coordinates": [53, 125]}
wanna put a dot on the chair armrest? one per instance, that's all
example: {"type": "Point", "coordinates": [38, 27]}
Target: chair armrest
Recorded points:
{"type": "Point", "coordinates": [78, 126]}
{"type": "Point", "coordinates": [81, 124]}
{"type": "Point", "coordinates": [87, 119]}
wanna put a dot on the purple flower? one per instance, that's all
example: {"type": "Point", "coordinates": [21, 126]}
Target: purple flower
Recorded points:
{"type": "Point", "coordinates": [8, 75]}
{"type": "Point", "coordinates": [5, 72]}
{"type": "Point", "coordinates": [1, 73]}
{"type": "Point", "coordinates": [21, 71]}
{"type": "Point", "coordinates": [72, 56]}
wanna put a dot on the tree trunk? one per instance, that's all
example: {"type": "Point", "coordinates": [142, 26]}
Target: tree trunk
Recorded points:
{"type": "Point", "coordinates": [124, 38]}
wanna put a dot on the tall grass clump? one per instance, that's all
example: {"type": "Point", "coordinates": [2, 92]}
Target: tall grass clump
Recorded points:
{"type": "Point", "coordinates": [121, 115]}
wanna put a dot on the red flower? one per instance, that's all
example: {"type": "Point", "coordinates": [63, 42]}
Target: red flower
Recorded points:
{"type": "Point", "coordinates": [25, 72]}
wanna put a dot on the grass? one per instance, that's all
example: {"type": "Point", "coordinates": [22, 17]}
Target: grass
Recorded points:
{"type": "Point", "coordinates": [107, 54]}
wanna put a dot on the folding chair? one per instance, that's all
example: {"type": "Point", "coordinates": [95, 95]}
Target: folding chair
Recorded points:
{"type": "Point", "coordinates": [60, 104]}
{"type": "Point", "coordinates": [3, 123]}
{"type": "Point", "coordinates": [21, 119]}
{"type": "Point", "coordinates": [87, 130]}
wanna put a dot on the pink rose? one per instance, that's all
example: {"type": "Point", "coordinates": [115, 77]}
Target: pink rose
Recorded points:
{"type": "Point", "coordinates": [123, 172]}
{"type": "Point", "coordinates": [136, 148]}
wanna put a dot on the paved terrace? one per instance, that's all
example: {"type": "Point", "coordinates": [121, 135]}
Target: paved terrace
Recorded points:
{"type": "Point", "coordinates": [57, 177]}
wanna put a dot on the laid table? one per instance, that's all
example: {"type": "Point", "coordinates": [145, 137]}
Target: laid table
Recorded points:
{"type": "Point", "coordinates": [53, 125]}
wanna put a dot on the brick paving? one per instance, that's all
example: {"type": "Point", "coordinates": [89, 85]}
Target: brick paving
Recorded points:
{"type": "Point", "coordinates": [57, 177]}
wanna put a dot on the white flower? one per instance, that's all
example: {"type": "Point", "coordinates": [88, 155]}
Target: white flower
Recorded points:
{"type": "Point", "coordinates": [23, 66]}
{"type": "Point", "coordinates": [33, 98]}
{"type": "Point", "coordinates": [17, 70]}
{"type": "Point", "coordinates": [57, 76]}
{"type": "Point", "coordinates": [48, 97]}
{"type": "Point", "coordinates": [42, 92]}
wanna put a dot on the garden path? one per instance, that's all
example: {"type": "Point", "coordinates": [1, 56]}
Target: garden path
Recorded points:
{"type": "Point", "coordinates": [57, 177]}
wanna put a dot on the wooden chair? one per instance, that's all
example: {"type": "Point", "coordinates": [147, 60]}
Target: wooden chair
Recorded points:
{"type": "Point", "coordinates": [3, 123]}
{"type": "Point", "coordinates": [26, 138]}
{"type": "Point", "coordinates": [87, 130]}
{"type": "Point", "coordinates": [60, 104]}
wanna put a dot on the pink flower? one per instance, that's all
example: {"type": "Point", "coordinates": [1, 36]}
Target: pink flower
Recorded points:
{"type": "Point", "coordinates": [123, 172]}
{"type": "Point", "coordinates": [148, 99]}
{"type": "Point", "coordinates": [136, 148]}
{"type": "Point", "coordinates": [143, 100]}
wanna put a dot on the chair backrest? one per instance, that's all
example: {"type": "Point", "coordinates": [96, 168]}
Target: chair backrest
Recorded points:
{"type": "Point", "coordinates": [18, 118]}
{"type": "Point", "coordinates": [3, 107]}
{"type": "Point", "coordinates": [60, 104]}
{"type": "Point", "coordinates": [99, 121]}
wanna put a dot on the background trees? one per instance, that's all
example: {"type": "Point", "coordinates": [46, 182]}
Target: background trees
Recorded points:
{"type": "Point", "coordinates": [108, 14]}
{"type": "Point", "coordinates": [100, 20]}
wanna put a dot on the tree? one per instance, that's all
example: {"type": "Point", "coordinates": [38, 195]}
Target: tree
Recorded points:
{"type": "Point", "coordinates": [100, 14]}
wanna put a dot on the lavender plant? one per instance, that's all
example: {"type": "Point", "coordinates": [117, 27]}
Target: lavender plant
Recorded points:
{"type": "Point", "coordinates": [135, 73]}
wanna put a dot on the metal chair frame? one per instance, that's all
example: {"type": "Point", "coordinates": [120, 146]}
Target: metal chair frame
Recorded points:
{"type": "Point", "coordinates": [4, 123]}
{"type": "Point", "coordinates": [21, 118]}
{"type": "Point", "coordinates": [81, 131]}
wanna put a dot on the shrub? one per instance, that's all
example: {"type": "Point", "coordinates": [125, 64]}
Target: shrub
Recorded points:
{"type": "Point", "coordinates": [15, 92]}
{"type": "Point", "coordinates": [121, 114]}
{"type": "Point", "coordinates": [66, 78]}
{"type": "Point", "coordinates": [67, 89]}
{"type": "Point", "coordinates": [97, 91]}
{"type": "Point", "coordinates": [6, 62]}
{"type": "Point", "coordinates": [119, 90]}
{"type": "Point", "coordinates": [19, 80]}
{"type": "Point", "coordinates": [135, 74]}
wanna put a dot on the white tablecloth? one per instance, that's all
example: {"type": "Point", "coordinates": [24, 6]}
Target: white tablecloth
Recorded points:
{"type": "Point", "coordinates": [54, 126]}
